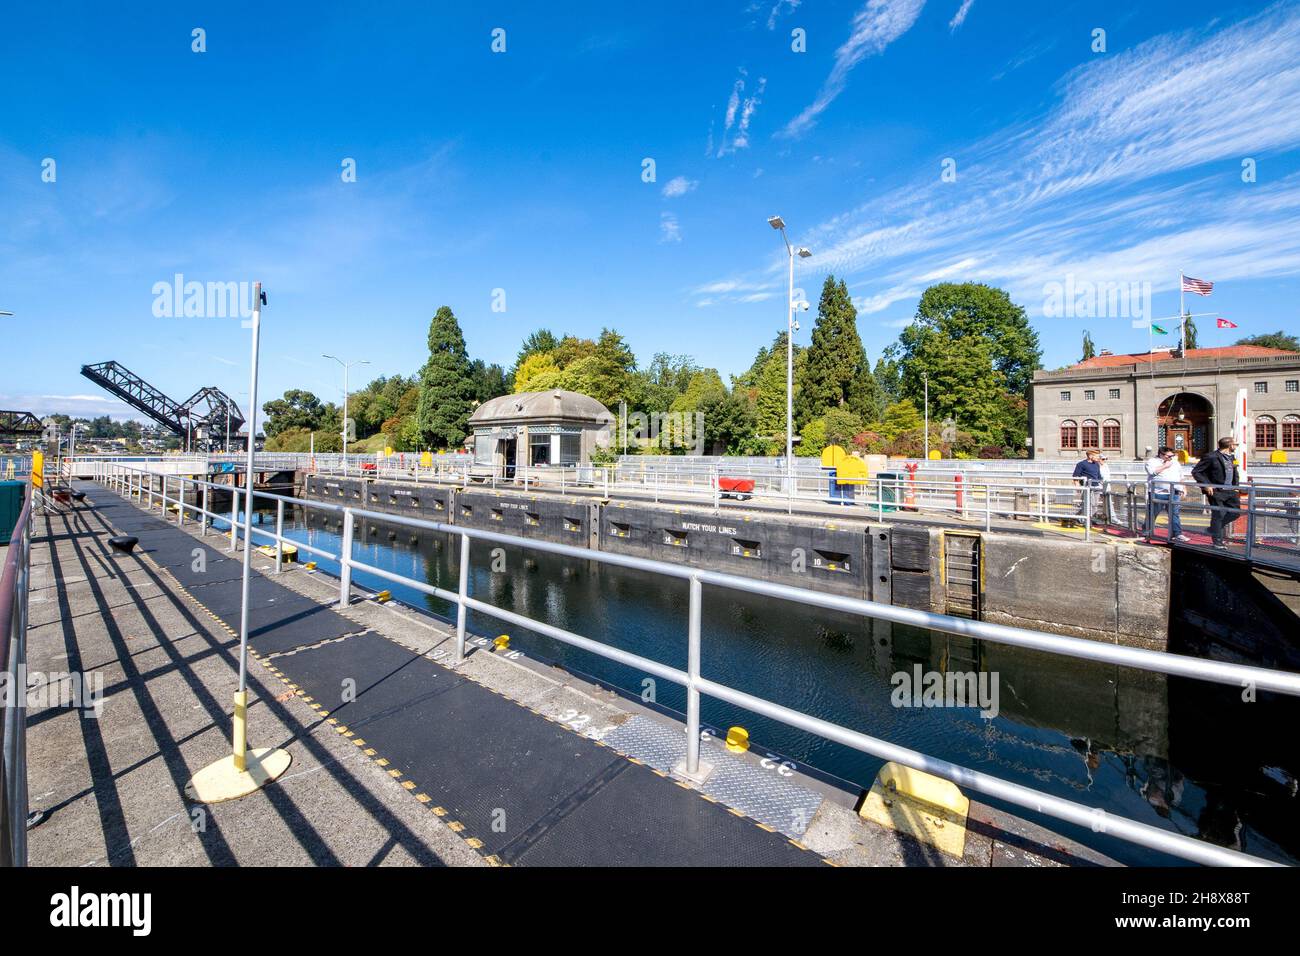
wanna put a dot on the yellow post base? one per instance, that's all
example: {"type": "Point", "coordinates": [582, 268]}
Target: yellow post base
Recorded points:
{"type": "Point", "coordinates": [928, 808]}
{"type": "Point", "coordinates": [222, 781]}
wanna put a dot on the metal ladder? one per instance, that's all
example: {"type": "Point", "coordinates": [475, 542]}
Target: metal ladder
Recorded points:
{"type": "Point", "coordinates": [962, 574]}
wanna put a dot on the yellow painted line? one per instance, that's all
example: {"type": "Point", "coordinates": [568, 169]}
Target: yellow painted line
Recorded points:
{"type": "Point", "coordinates": [493, 860]}
{"type": "Point", "coordinates": [382, 761]}
{"type": "Point", "coordinates": [734, 812]}
{"type": "Point", "coordinates": [455, 826]}
{"type": "Point", "coordinates": [440, 811]}
{"type": "Point", "coordinates": [423, 797]}
{"type": "Point", "coordinates": [394, 774]}
{"type": "Point", "coordinates": [358, 742]}
{"type": "Point", "coordinates": [475, 842]}
{"type": "Point", "coordinates": [764, 826]}
{"type": "Point", "coordinates": [408, 784]}
{"type": "Point", "coordinates": [370, 751]}
{"type": "Point", "coordinates": [798, 844]}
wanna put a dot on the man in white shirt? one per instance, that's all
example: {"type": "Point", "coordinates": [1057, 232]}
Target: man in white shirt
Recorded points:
{"type": "Point", "coordinates": [1164, 489]}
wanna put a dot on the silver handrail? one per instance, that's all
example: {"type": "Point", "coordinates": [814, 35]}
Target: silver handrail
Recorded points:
{"type": "Point", "coordinates": [120, 477]}
{"type": "Point", "coordinates": [13, 661]}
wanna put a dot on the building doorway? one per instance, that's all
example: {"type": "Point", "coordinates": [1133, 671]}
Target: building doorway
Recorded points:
{"type": "Point", "coordinates": [1183, 423]}
{"type": "Point", "coordinates": [506, 461]}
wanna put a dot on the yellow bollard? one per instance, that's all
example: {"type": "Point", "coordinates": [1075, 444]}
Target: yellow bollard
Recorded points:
{"type": "Point", "coordinates": [502, 643]}
{"type": "Point", "coordinates": [384, 596]}
{"type": "Point", "coordinates": [737, 740]}
{"type": "Point", "coordinates": [241, 730]}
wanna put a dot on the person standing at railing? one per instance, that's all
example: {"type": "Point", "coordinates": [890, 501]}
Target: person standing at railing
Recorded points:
{"type": "Point", "coordinates": [1219, 479]}
{"type": "Point", "coordinates": [1164, 489]}
{"type": "Point", "coordinates": [1088, 474]}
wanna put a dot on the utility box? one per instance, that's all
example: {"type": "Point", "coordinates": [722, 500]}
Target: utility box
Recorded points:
{"type": "Point", "coordinates": [11, 505]}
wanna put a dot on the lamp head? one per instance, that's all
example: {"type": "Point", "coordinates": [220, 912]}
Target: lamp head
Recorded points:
{"type": "Point", "coordinates": [776, 222]}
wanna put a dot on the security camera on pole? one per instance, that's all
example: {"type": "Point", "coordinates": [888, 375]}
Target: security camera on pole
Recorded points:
{"type": "Point", "coordinates": [776, 222]}
{"type": "Point", "coordinates": [243, 771]}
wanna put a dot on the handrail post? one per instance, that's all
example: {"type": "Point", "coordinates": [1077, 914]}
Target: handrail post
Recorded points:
{"type": "Point", "coordinates": [180, 500]}
{"type": "Point", "coordinates": [692, 676]}
{"type": "Point", "coordinates": [462, 592]}
{"type": "Point", "coordinates": [279, 534]}
{"type": "Point", "coordinates": [988, 506]}
{"type": "Point", "coordinates": [234, 512]}
{"type": "Point", "coordinates": [203, 518]}
{"type": "Point", "coordinates": [345, 560]}
{"type": "Point", "coordinates": [1250, 520]}
{"type": "Point", "coordinates": [1087, 510]}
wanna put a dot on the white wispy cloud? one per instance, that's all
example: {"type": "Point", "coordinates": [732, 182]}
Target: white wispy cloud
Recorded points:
{"type": "Point", "coordinates": [740, 111]}
{"type": "Point", "coordinates": [678, 186]}
{"type": "Point", "coordinates": [960, 16]}
{"type": "Point", "coordinates": [1132, 174]}
{"type": "Point", "coordinates": [878, 24]}
{"type": "Point", "coordinates": [779, 9]}
{"type": "Point", "coordinates": [669, 229]}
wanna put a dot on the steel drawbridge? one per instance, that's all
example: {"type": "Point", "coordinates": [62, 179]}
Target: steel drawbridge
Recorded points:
{"type": "Point", "coordinates": [208, 418]}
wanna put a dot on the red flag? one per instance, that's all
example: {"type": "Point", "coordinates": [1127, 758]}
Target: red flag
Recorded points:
{"type": "Point", "coordinates": [1225, 324]}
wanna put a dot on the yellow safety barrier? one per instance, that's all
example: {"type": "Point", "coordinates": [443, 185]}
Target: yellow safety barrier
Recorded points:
{"type": "Point", "coordinates": [928, 808]}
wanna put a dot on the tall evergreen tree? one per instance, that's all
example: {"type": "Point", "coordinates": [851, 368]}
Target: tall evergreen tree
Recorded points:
{"type": "Point", "coordinates": [446, 384]}
{"type": "Point", "coordinates": [836, 373]}
{"type": "Point", "coordinates": [1089, 350]}
{"type": "Point", "coordinates": [1189, 333]}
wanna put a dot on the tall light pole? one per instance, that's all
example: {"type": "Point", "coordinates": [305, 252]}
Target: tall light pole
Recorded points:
{"type": "Point", "coordinates": [346, 366]}
{"type": "Point", "coordinates": [777, 223]}
{"type": "Point", "coordinates": [925, 377]}
{"type": "Point", "coordinates": [243, 772]}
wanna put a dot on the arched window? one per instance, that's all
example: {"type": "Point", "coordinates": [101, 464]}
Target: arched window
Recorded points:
{"type": "Point", "coordinates": [1069, 434]}
{"type": "Point", "coordinates": [1090, 436]}
{"type": "Point", "coordinates": [1265, 432]}
{"type": "Point", "coordinates": [1291, 431]}
{"type": "Point", "coordinates": [1110, 434]}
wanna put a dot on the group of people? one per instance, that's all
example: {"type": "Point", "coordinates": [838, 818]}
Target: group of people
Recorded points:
{"type": "Point", "coordinates": [1216, 475]}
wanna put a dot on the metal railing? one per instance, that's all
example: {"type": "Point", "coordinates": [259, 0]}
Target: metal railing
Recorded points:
{"type": "Point", "coordinates": [138, 484]}
{"type": "Point", "coordinates": [1270, 534]}
{"type": "Point", "coordinates": [13, 663]}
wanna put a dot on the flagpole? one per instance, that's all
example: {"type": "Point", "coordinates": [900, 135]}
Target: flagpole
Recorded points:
{"type": "Point", "coordinates": [1182, 320]}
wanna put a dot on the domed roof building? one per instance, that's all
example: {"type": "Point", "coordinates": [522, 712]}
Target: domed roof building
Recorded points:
{"type": "Point", "coordinates": [549, 429]}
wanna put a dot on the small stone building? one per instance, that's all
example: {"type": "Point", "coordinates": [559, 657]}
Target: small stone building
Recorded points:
{"type": "Point", "coordinates": [538, 430]}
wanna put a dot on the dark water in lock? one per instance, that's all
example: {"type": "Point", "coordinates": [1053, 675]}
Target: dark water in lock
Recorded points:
{"type": "Point", "coordinates": [1177, 754]}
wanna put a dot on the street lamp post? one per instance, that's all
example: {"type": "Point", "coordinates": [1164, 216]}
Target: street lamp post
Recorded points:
{"type": "Point", "coordinates": [777, 223]}
{"type": "Point", "coordinates": [925, 377]}
{"type": "Point", "coordinates": [346, 366]}
{"type": "Point", "coordinates": [243, 771]}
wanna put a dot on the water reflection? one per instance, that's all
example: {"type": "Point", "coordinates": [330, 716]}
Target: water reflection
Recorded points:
{"type": "Point", "coordinates": [1173, 753]}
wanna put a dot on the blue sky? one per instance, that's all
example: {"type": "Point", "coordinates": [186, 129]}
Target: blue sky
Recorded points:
{"type": "Point", "coordinates": [522, 171]}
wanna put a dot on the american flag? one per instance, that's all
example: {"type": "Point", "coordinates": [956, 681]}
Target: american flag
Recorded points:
{"type": "Point", "coordinates": [1199, 286]}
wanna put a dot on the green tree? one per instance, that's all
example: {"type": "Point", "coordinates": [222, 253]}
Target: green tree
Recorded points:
{"type": "Point", "coordinates": [1189, 331]}
{"type": "Point", "coordinates": [1089, 350]}
{"type": "Point", "coordinates": [1273, 340]}
{"type": "Point", "coordinates": [888, 378]}
{"type": "Point", "coordinates": [543, 340]}
{"type": "Point", "coordinates": [979, 352]}
{"type": "Point", "coordinates": [446, 389]}
{"type": "Point", "coordinates": [836, 427]}
{"type": "Point", "coordinates": [836, 373]}
{"type": "Point", "coordinates": [297, 409]}
{"type": "Point", "coordinates": [728, 425]}
{"type": "Point", "coordinates": [490, 381]}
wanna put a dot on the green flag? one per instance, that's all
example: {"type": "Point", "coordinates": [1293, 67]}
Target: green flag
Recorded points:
{"type": "Point", "coordinates": [1156, 328]}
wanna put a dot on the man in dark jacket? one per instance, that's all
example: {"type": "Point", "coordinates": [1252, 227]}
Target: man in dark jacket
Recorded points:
{"type": "Point", "coordinates": [1217, 475]}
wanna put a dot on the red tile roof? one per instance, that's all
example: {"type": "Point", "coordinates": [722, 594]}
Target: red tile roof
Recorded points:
{"type": "Point", "coordinates": [1140, 358]}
